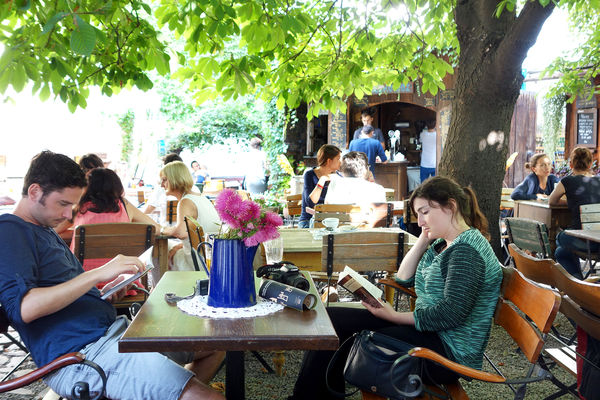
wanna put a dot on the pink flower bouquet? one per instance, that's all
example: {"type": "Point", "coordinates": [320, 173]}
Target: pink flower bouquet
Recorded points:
{"type": "Point", "coordinates": [245, 219]}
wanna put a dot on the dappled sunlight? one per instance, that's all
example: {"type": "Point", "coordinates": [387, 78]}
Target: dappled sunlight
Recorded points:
{"type": "Point", "coordinates": [494, 139]}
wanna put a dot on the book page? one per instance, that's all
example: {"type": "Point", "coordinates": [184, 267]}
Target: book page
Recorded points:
{"type": "Point", "coordinates": [360, 287]}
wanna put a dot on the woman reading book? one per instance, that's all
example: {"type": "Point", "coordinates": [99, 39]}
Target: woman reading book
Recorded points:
{"type": "Point", "coordinates": [457, 279]}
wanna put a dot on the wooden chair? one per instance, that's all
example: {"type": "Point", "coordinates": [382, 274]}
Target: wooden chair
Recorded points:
{"type": "Point", "coordinates": [526, 311]}
{"type": "Point", "coordinates": [141, 197]}
{"type": "Point", "coordinates": [410, 220]}
{"type": "Point", "coordinates": [506, 202]}
{"type": "Point", "coordinates": [213, 187]}
{"type": "Point", "coordinates": [196, 236]}
{"type": "Point", "coordinates": [108, 240]}
{"type": "Point", "coordinates": [294, 206]}
{"type": "Point", "coordinates": [172, 211]}
{"type": "Point", "coordinates": [8, 385]}
{"type": "Point", "coordinates": [535, 269]}
{"type": "Point", "coordinates": [245, 195]}
{"type": "Point", "coordinates": [368, 216]}
{"type": "Point", "coordinates": [363, 251]}
{"type": "Point", "coordinates": [529, 235]}
{"type": "Point", "coordinates": [590, 220]}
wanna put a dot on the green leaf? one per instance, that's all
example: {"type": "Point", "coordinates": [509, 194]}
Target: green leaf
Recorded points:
{"type": "Point", "coordinates": [53, 21]}
{"type": "Point", "coordinates": [19, 77]}
{"type": "Point", "coordinates": [83, 37]}
{"type": "Point", "coordinates": [44, 93]}
{"type": "Point", "coordinates": [23, 5]}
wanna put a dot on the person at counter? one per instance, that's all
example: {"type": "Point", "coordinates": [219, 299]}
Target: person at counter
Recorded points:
{"type": "Point", "coordinates": [539, 183]}
{"type": "Point", "coordinates": [316, 181]}
{"type": "Point", "coordinates": [580, 188]}
{"type": "Point", "coordinates": [428, 140]}
{"type": "Point", "coordinates": [370, 146]}
{"type": "Point", "coordinates": [366, 116]}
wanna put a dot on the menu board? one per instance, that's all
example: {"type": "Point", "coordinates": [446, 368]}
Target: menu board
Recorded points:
{"type": "Point", "coordinates": [337, 130]}
{"type": "Point", "coordinates": [587, 122]}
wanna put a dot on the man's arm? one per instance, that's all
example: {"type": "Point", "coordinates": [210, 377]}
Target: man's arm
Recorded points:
{"type": "Point", "coordinates": [39, 302]}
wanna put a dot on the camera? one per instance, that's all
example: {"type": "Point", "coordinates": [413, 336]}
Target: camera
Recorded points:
{"type": "Point", "coordinates": [286, 273]}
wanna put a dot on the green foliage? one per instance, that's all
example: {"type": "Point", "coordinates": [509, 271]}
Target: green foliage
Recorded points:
{"type": "Point", "coordinates": [126, 121]}
{"type": "Point", "coordinates": [554, 118]}
{"type": "Point", "coordinates": [62, 47]}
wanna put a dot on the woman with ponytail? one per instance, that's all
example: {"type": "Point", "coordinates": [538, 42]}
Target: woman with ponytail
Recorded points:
{"type": "Point", "coordinates": [457, 279]}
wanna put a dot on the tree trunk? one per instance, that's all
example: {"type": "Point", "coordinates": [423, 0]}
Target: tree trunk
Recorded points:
{"type": "Point", "coordinates": [488, 83]}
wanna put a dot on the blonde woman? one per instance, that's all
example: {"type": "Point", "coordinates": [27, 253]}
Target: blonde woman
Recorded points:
{"type": "Point", "coordinates": [177, 181]}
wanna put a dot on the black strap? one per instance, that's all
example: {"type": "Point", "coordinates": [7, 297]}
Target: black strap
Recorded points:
{"type": "Point", "coordinates": [336, 355]}
{"type": "Point", "coordinates": [400, 255]}
{"type": "Point", "coordinates": [81, 253]}
{"type": "Point", "coordinates": [329, 255]}
{"type": "Point", "coordinates": [389, 215]}
{"type": "Point", "coordinates": [148, 236]}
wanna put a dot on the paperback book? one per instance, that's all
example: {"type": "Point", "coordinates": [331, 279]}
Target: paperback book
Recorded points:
{"type": "Point", "coordinates": [360, 287]}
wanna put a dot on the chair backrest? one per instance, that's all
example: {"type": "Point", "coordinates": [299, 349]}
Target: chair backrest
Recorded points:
{"type": "Point", "coordinates": [375, 215]}
{"type": "Point", "coordinates": [214, 186]}
{"type": "Point", "coordinates": [506, 202]}
{"type": "Point", "coordinates": [587, 321]}
{"type": "Point", "coordinates": [390, 194]}
{"type": "Point", "coordinates": [585, 294]}
{"type": "Point", "coordinates": [535, 269]}
{"type": "Point", "coordinates": [529, 235]}
{"type": "Point", "coordinates": [109, 240]}
{"type": "Point", "coordinates": [140, 196]}
{"type": "Point", "coordinates": [245, 195]}
{"type": "Point", "coordinates": [294, 204]}
{"type": "Point", "coordinates": [364, 251]}
{"type": "Point", "coordinates": [172, 211]}
{"type": "Point", "coordinates": [195, 236]}
{"type": "Point", "coordinates": [537, 304]}
{"type": "Point", "coordinates": [590, 216]}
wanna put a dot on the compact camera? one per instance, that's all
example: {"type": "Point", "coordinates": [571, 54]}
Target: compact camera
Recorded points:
{"type": "Point", "coordinates": [286, 273]}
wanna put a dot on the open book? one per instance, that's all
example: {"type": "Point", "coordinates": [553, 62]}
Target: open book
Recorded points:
{"type": "Point", "coordinates": [364, 290]}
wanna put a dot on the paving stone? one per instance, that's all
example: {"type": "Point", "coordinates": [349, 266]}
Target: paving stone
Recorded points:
{"type": "Point", "coordinates": [4, 359]}
{"type": "Point", "coordinates": [23, 391]}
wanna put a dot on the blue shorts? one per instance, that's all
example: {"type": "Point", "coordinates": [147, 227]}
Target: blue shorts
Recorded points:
{"type": "Point", "coordinates": [130, 375]}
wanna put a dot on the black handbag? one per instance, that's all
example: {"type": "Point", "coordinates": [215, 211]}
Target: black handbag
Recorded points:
{"type": "Point", "coordinates": [380, 364]}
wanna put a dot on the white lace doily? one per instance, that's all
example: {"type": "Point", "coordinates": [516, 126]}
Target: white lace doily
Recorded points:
{"type": "Point", "coordinates": [197, 306]}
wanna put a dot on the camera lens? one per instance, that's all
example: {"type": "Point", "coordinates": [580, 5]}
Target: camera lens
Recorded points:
{"type": "Point", "coordinates": [299, 282]}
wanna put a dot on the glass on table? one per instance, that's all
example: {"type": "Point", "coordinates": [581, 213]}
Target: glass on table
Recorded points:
{"type": "Point", "coordinates": [274, 250]}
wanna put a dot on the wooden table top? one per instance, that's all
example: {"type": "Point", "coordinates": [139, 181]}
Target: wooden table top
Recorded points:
{"type": "Point", "coordinates": [302, 240]}
{"type": "Point", "coordinates": [586, 234]}
{"type": "Point", "coordinates": [540, 204]}
{"type": "Point", "coordinates": [161, 327]}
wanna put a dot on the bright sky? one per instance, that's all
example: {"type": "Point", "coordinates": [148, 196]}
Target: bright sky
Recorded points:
{"type": "Point", "coordinates": [30, 125]}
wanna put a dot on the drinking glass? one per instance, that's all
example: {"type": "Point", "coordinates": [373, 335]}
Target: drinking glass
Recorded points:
{"type": "Point", "coordinates": [274, 250]}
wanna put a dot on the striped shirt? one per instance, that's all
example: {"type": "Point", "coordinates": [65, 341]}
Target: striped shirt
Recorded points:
{"type": "Point", "coordinates": [457, 293]}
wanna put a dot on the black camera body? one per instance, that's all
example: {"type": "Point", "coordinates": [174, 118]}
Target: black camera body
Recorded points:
{"type": "Point", "coordinates": [286, 273]}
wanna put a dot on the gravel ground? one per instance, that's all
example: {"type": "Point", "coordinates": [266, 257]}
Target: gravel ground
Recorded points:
{"type": "Point", "coordinates": [263, 386]}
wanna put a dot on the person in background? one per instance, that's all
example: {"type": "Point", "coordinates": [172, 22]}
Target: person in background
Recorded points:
{"type": "Point", "coordinates": [316, 181]}
{"type": "Point", "coordinates": [56, 308]}
{"type": "Point", "coordinates": [428, 140]}
{"type": "Point", "coordinates": [540, 183]}
{"type": "Point", "coordinates": [580, 188]}
{"type": "Point", "coordinates": [200, 173]}
{"type": "Point", "coordinates": [178, 182]}
{"type": "Point", "coordinates": [366, 116]}
{"type": "Point", "coordinates": [90, 161]}
{"type": "Point", "coordinates": [354, 188]}
{"type": "Point", "coordinates": [457, 279]}
{"type": "Point", "coordinates": [103, 202]}
{"type": "Point", "coordinates": [158, 197]}
{"type": "Point", "coordinates": [256, 165]}
{"type": "Point", "coordinates": [370, 146]}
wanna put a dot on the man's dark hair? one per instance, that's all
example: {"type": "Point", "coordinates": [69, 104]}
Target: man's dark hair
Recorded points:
{"type": "Point", "coordinates": [366, 130]}
{"type": "Point", "coordinates": [370, 111]}
{"type": "Point", "coordinates": [90, 161]}
{"type": "Point", "coordinates": [53, 172]}
{"type": "Point", "coordinates": [170, 158]}
{"type": "Point", "coordinates": [192, 163]}
{"type": "Point", "coordinates": [355, 164]}
{"type": "Point", "coordinates": [430, 124]}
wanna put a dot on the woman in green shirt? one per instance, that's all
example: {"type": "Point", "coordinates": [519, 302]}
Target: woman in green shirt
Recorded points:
{"type": "Point", "coordinates": [457, 279]}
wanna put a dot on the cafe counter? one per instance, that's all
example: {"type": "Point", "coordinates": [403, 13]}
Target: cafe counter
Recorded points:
{"type": "Point", "coordinates": [393, 175]}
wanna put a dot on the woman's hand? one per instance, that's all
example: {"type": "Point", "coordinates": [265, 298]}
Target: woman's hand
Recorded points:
{"type": "Point", "coordinates": [323, 179]}
{"type": "Point", "coordinates": [389, 314]}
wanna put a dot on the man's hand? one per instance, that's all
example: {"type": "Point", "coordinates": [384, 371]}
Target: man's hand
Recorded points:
{"type": "Point", "coordinates": [119, 265]}
{"type": "Point", "coordinates": [117, 295]}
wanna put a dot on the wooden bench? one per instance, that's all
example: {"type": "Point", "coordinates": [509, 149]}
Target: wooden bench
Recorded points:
{"type": "Point", "coordinates": [294, 206]}
{"type": "Point", "coordinates": [369, 216]}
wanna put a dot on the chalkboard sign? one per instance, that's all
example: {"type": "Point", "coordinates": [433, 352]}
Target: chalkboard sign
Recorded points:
{"type": "Point", "coordinates": [587, 122]}
{"type": "Point", "coordinates": [337, 130]}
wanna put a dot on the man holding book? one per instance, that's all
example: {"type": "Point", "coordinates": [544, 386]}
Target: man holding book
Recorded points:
{"type": "Point", "coordinates": [43, 288]}
{"type": "Point", "coordinates": [457, 280]}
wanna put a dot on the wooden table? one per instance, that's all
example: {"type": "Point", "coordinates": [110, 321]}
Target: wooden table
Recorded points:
{"type": "Point", "coordinates": [161, 327]}
{"type": "Point", "coordinates": [554, 217]}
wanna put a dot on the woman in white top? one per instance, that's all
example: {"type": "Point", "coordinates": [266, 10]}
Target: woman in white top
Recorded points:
{"type": "Point", "coordinates": [177, 181]}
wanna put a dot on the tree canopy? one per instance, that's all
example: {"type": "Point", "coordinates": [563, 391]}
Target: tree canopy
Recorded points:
{"type": "Point", "coordinates": [319, 52]}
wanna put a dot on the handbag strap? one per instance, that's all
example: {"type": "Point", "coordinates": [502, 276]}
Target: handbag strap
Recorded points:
{"type": "Point", "coordinates": [334, 358]}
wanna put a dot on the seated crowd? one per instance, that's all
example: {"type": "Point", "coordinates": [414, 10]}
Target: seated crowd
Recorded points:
{"type": "Point", "coordinates": [455, 273]}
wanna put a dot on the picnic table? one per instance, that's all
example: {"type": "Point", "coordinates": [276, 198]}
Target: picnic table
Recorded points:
{"type": "Point", "coordinates": [159, 327]}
